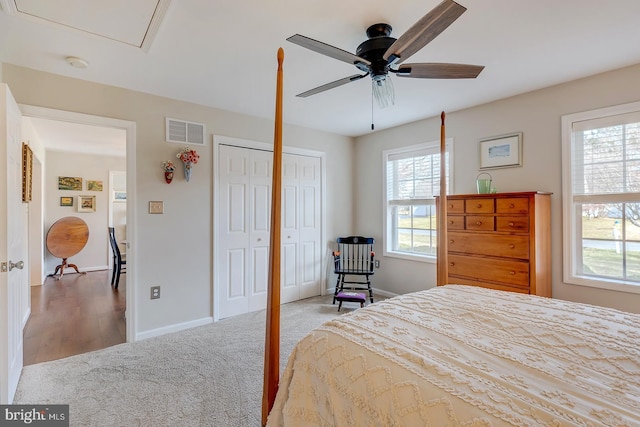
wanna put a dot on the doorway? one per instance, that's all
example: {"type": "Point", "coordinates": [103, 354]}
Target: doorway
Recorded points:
{"type": "Point", "coordinates": [129, 136]}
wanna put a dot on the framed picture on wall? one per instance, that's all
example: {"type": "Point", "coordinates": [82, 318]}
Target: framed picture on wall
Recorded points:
{"type": "Point", "coordinates": [66, 201]}
{"type": "Point", "coordinates": [69, 183]}
{"type": "Point", "coordinates": [502, 151]}
{"type": "Point", "coordinates": [27, 172]}
{"type": "Point", "coordinates": [119, 196]}
{"type": "Point", "coordinates": [86, 203]}
{"type": "Point", "coordinates": [94, 185]}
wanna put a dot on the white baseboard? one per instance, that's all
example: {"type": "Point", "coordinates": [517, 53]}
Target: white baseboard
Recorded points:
{"type": "Point", "coordinates": [173, 328]}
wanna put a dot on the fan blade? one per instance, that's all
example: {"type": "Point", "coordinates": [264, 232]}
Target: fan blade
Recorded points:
{"type": "Point", "coordinates": [423, 31]}
{"type": "Point", "coordinates": [328, 50]}
{"type": "Point", "coordinates": [439, 71]}
{"type": "Point", "coordinates": [331, 85]}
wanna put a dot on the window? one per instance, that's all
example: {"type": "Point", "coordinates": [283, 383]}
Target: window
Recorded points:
{"type": "Point", "coordinates": [601, 186]}
{"type": "Point", "coordinates": [412, 181]}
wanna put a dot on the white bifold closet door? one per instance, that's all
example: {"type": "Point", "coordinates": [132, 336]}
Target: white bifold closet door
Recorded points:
{"type": "Point", "coordinates": [243, 231]}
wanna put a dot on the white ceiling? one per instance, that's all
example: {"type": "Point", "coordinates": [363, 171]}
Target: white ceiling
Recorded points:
{"type": "Point", "coordinates": [222, 53]}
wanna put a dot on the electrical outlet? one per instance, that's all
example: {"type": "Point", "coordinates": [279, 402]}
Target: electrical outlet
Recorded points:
{"type": "Point", "coordinates": [155, 292]}
{"type": "Point", "coordinates": [376, 263]}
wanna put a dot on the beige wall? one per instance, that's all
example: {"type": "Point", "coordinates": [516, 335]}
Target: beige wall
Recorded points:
{"type": "Point", "coordinates": [536, 114]}
{"type": "Point", "coordinates": [174, 250]}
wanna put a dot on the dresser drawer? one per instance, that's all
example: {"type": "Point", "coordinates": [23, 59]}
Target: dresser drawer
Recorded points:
{"type": "Point", "coordinates": [512, 223]}
{"type": "Point", "coordinates": [506, 246]}
{"type": "Point", "coordinates": [480, 222]}
{"type": "Point", "coordinates": [501, 287]}
{"type": "Point", "coordinates": [513, 205]}
{"type": "Point", "coordinates": [455, 206]}
{"type": "Point", "coordinates": [455, 222]}
{"type": "Point", "coordinates": [479, 205]}
{"type": "Point", "coordinates": [510, 272]}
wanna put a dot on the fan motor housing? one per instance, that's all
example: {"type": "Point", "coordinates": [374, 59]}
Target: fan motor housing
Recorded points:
{"type": "Point", "coordinates": [373, 49]}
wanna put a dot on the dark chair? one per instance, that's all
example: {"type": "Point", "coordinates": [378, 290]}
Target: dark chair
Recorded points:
{"type": "Point", "coordinates": [354, 257]}
{"type": "Point", "coordinates": [118, 260]}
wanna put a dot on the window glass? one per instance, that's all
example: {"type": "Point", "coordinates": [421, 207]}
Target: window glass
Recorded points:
{"type": "Point", "coordinates": [412, 182]}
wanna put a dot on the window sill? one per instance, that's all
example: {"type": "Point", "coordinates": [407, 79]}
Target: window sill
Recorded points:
{"type": "Point", "coordinates": [611, 285]}
{"type": "Point", "coordinates": [411, 257]}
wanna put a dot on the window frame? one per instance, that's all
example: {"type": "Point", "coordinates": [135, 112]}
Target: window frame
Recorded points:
{"type": "Point", "coordinates": [570, 224]}
{"type": "Point", "coordinates": [387, 231]}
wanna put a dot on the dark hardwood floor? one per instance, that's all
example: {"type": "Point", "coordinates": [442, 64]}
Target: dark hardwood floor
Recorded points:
{"type": "Point", "coordinates": [73, 315]}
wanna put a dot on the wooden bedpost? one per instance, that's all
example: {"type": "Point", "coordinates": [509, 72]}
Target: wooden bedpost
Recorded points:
{"type": "Point", "coordinates": [442, 265]}
{"type": "Point", "coordinates": [272, 332]}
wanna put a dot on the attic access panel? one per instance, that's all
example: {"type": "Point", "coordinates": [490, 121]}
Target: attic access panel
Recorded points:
{"type": "Point", "coordinates": [131, 22]}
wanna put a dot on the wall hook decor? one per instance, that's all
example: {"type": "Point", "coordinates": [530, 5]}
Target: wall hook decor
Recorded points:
{"type": "Point", "coordinates": [168, 167]}
{"type": "Point", "coordinates": [189, 158]}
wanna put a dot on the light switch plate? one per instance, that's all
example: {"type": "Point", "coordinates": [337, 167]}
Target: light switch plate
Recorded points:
{"type": "Point", "coordinates": [156, 207]}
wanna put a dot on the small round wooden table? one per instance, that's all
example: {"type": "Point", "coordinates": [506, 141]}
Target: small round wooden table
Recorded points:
{"type": "Point", "coordinates": [66, 237]}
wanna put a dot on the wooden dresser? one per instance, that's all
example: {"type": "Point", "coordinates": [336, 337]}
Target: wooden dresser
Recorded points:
{"type": "Point", "coordinates": [500, 241]}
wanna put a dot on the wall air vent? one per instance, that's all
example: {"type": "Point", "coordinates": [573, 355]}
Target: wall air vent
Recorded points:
{"type": "Point", "coordinates": [185, 132]}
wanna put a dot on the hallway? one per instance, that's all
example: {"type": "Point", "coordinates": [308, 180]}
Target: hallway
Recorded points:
{"type": "Point", "coordinates": [76, 314]}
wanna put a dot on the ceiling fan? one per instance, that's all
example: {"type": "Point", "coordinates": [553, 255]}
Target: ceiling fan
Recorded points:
{"type": "Point", "coordinates": [381, 54]}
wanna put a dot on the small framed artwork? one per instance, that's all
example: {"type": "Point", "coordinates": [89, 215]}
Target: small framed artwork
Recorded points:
{"type": "Point", "coordinates": [86, 203]}
{"type": "Point", "coordinates": [502, 151]}
{"type": "Point", "coordinates": [66, 201]}
{"type": "Point", "coordinates": [27, 172]}
{"type": "Point", "coordinates": [94, 185]}
{"type": "Point", "coordinates": [119, 196]}
{"type": "Point", "coordinates": [69, 183]}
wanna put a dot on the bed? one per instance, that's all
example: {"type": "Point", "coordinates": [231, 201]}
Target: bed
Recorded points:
{"type": "Point", "coordinates": [459, 355]}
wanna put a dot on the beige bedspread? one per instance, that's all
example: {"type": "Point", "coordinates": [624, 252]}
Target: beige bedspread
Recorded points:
{"type": "Point", "coordinates": [466, 356]}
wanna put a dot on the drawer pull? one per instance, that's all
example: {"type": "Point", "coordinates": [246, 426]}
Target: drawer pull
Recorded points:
{"type": "Point", "coordinates": [513, 273]}
{"type": "Point", "coordinates": [511, 246]}
{"type": "Point", "coordinates": [451, 241]}
{"type": "Point", "coordinates": [478, 222]}
{"type": "Point", "coordinates": [451, 206]}
{"type": "Point", "coordinates": [479, 205]}
{"type": "Point", "coordinates": [511, 224]}
{"type": "Point", "coordinates": [451, 264]}
{"type": "Point", "coordinates": [450, 221]}
{"type": "Point", "coordinates": [511, 205]}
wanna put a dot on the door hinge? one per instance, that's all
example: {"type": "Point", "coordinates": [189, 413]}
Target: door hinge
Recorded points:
{"type": "Point", "coordinates": [3, 267]}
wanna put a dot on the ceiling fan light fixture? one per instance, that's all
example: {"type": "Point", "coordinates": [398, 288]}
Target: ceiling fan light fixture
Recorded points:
{"type": "Point", "coordinates": [383, 91]}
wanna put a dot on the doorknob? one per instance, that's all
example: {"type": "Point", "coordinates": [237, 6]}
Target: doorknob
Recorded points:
{"type": "Point", "coordinates": [19, 265]}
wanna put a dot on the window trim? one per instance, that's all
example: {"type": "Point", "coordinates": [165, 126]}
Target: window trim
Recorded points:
{"type": "Point", "coordinates": [386, 251]}
{"type": "Point", "coordinates": [569, 226]}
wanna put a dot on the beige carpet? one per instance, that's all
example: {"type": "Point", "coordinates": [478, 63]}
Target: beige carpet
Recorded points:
{"type": "Point", "coordinates": [205, 376]}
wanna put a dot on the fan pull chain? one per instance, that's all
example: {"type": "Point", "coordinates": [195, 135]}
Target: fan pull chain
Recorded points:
{"type": "Point", "coordinates": [372, 127]}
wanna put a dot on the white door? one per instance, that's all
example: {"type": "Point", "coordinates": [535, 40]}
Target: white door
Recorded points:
{"type": "Point", "coordinates": [13, 249]}
{"type": "Point", "coordinates": [243, 236]}
{"type": "Point", "coordinates": [243, 228]}
{"type": "Point", "coordinates": [310, 227]}
{"type": "Point", "coordinates": [289, 267]}
{"type": "Point", "coordinates": [301, 228]}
